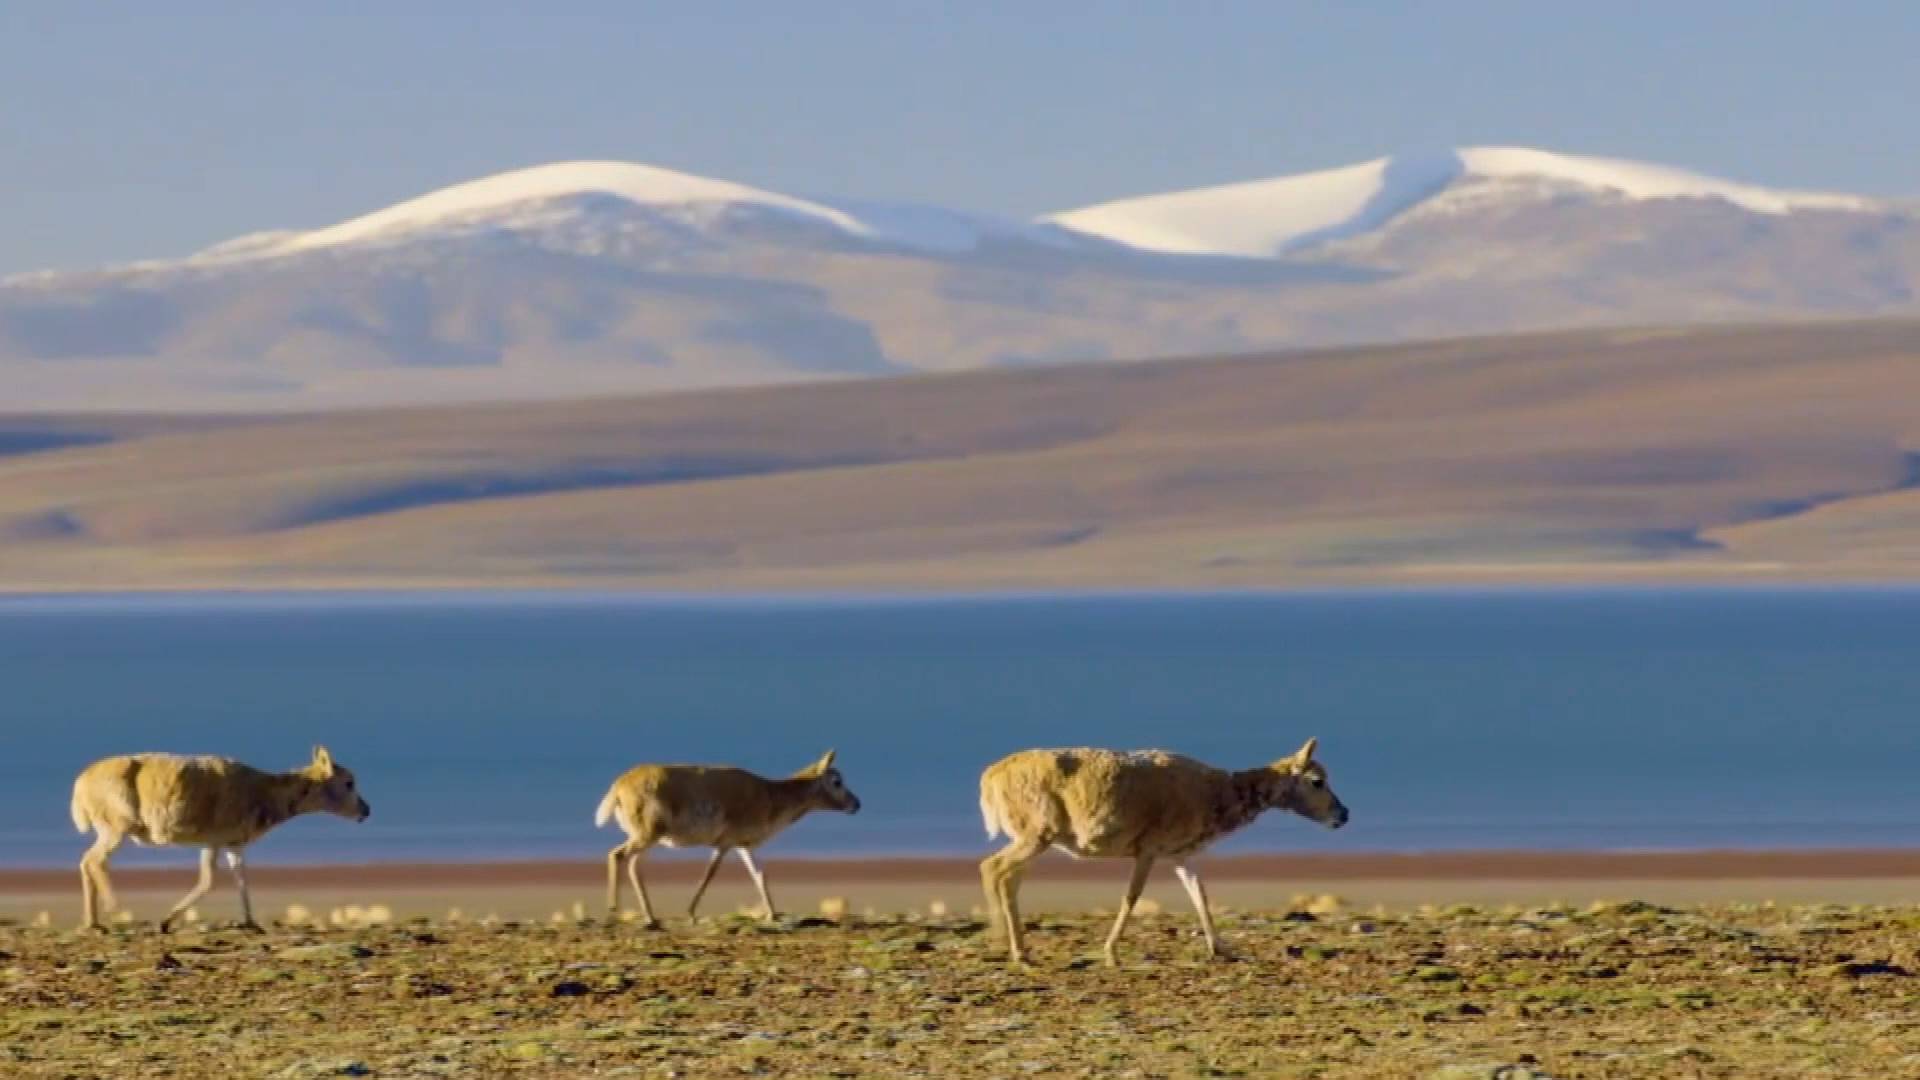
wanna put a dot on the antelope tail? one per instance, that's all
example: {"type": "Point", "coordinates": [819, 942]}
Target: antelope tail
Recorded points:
{"type": "Point", "coordinates": [990, 815]}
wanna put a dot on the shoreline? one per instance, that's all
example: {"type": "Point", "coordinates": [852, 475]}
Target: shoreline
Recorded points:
{"type": "Point", "coordinates": [571, 890]}
{"type": "Point", "coordinates": [1411, 579]}
{"type": "Point", "coordinates": [1849, 864]}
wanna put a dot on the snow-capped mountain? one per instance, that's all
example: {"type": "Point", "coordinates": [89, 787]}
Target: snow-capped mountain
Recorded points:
{"type": "Point", "coordinates": [567, 199]}
{"type": "Point", "coordinates": [607, 277]}
{"type": "Point", "coordinates": [1263, 218]}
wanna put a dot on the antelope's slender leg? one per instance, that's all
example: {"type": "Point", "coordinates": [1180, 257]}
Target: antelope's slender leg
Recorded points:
{"type": "Point", "coordinates": [700, 890]}
{"type": "Point", "coordinates": [639, 886]}
{"type": "Point", "coordinates": [1001, 873]}
{"type": "Point", "coordinates": [759, 882]}
{"type": "Point", "coordinates": [1198, 894]}
{"type": "Point", "coordinates": [237, 866]}
{"type": "Point", "coordinates": [1142, 865]}
{"type": "Point", "coordinates": [990, 887]}
{"type": "Point", "coordinates": [199, 888]}
{"type": "Point", "coordinates": [96, 890]}
{"type": "Point", "coordinates": [1010, 881]}
{"type": "Point", "coordinates": [614, 859]}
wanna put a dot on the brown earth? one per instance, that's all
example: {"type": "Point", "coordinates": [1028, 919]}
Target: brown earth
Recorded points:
{"type": "Point", "coordinates": [1463, 993]}
{"type": "Point", "coordinates": [1778, 453]}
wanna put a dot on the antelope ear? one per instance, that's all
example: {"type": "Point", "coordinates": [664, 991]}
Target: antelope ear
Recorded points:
{"type": "Point", "coordinates": [820, 767]}
{"type": "Point", "coordinates": [322, 761]}
{"type": "Point", "coordinates": [1305, 753]}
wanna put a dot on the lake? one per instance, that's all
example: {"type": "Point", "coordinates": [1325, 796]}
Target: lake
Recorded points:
{"type": "Point", "coordinates": [487, 726]}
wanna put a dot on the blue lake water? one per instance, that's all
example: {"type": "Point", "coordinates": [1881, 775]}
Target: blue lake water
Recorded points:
{"type": "Point", "coordinates": [489, 725]}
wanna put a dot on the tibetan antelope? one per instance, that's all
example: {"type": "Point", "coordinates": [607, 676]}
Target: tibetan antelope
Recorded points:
{"type": "Point", "coordinates": [714, 806]}
{"type": "Point", "coordinates": [1141, 805]}
{"type": "Point", "coordinates": [210, 802]}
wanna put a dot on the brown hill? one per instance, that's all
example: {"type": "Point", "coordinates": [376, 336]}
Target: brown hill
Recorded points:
{"type": "Point", "coordinates": [1760, 453]}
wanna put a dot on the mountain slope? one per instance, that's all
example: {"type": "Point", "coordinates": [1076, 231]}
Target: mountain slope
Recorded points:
{"type": "Point", "coordinates": [1679, 453]}
{"type": "Point", "coordinates": [528, 197]}
{"type": "Point", "coordinates": [1263, 218]}
{"type": "Point", "coordinates": [585, 278]}
{"type": "Point", "coordinates": [547, 196]}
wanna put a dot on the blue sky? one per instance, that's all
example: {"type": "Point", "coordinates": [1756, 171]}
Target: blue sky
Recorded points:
{"type": "Point", "coordinates": [146, 132]}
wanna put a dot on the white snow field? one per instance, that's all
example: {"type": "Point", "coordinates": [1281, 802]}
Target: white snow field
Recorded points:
{"type": "Point", "coordinates": [1254, 219]}
{"type": "Point", "coordinates": [545, 195]}
{"type": "Point", "coordinates": [1264, 218]}
{"type": "Point", "coordinates": [581, 278]}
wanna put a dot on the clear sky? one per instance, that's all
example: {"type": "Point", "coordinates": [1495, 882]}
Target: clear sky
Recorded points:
{"type": "Point", "coordinates": [131, 131]}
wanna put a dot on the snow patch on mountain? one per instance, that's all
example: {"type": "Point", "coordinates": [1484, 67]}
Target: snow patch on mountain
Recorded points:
{"type": "Point", "coordinates": [553, 198]}
{"type": "Point", "coordinates": [1264, 218]}
{"type": "Point", "coordinates": [930, 228]}
{"type": "Point", "coordinates": [1640, 180]}
{"type": "Point", "coordinates": [537, 197]}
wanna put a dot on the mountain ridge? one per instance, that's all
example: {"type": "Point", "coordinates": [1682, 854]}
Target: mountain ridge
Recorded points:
{"type": "Point", "coordinates": [1283, 214]}
{"type": "Point", "coordinates": [583, 278]}
{"type": "Point", "coordinates": [1653, 454]}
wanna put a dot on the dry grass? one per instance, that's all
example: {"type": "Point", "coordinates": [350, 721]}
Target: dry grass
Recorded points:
{"type": "Point", "coordinates": [1616, 990]}
{"type": "Point", "coordinates": [1744, 453]}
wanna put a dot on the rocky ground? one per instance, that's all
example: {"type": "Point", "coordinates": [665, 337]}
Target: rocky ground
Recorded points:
{"type": "Point", "coordinates": [1611, 991]}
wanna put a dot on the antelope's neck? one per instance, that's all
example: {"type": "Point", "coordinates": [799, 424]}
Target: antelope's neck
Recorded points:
{"type": "Point", "coordinates": [792, 798]}
{"type": "Point", "coordinates": [280, 799]}
{"type": "Point", "coordinates": [1248, 794]}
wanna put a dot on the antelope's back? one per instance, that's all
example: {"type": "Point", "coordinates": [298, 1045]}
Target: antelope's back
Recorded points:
{"type": "Point", "coordinates": [1094, 771]}
{"type": "Point", "coordinates": [158, 797]}
{"type": "Point", "coordinates": [1027, 773]}
{"type": "Point", "coordinates": [1099, 795]}
{"type": "Point", "coordinates": [675, 792]}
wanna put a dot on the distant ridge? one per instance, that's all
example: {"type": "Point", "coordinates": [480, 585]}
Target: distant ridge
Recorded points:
{"type": "Point", "coordinates": [585, 278]}
{"type": "Point", "coordinates": [1263, 218]}
{"type": "Point", "coordinates": [543, 195]}
{"type": "Point", "coordinates": [1688, 454]}
{"type": "Point", "coordinates": [510, 198]}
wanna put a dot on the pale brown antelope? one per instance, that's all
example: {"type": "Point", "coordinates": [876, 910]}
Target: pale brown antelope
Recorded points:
{"type": "Point", "coordinates": [714, 806]}
{"type": "Point", "coordinates": [1142, 805]}
{"type": "Point", "coordinates": [210, 802]}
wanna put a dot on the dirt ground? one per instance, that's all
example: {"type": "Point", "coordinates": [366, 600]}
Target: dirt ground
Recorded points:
{"type": "Point", "coordinates": [1609, 990]}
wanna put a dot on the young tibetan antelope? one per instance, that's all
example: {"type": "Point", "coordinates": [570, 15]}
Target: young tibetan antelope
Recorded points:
{"type": "Point", "coordinates": [1142, 805]}
{"type": "Point", "coordinates": [713, 806]}
{"type": "Point", "coordinates": [211, 802]}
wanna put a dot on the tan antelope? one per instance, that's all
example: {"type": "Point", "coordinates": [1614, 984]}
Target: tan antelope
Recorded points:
{"type": "Point", "coordinates": [211, 802]}
{"type": "Point", "coordinates": [714, 806]}
{"type": "Point", "coordinates": [1142, 805]}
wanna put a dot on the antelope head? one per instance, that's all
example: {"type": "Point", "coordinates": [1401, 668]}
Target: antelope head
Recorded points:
{"type": "Point", "coordinates": [826, 788]}
{"type": "Point", "coordinates": [1303, 788]}
{"type": "Point", "coordinates": [332, 789]}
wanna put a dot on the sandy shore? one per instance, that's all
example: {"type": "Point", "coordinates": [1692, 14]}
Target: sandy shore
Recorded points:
{"type": "Point", "coordinates": [536, 889]}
